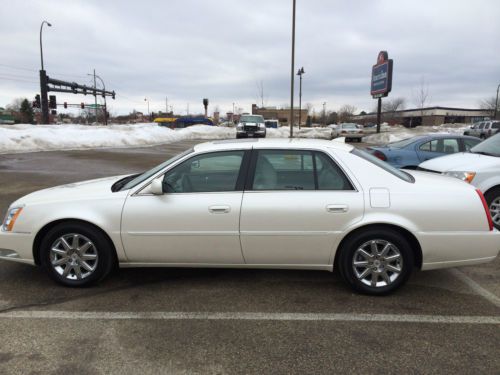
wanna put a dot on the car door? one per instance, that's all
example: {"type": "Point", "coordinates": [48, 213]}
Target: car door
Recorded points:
{"type": "Point", "coordinates": [437, 147]}
{"type": "Point", "coordinates": [295, 205]}
{"type": "Point", "coordinates": [196, 220]}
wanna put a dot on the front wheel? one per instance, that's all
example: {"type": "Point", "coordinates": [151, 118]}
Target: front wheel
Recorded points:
{"type": "Point", "coordinates": [493, 200]}
{"type": "Point", "coordinates": [376, 262]}
{"type": "Point", "coordinates": [76, 254]}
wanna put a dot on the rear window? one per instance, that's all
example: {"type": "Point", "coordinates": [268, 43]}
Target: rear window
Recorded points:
{"type": "Point", "coordinates": [385, 166]}
{"type": "Point", "coordinates": [496, 125]}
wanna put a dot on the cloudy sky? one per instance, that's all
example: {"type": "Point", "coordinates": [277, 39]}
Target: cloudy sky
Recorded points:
{"type": "Point", "coordinates": [223, 49]}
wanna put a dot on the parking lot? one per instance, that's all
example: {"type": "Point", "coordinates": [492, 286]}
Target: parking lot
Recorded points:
{"type": "Point", "coordinates": [221, 321]}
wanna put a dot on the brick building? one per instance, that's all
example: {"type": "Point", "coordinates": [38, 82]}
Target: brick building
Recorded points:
{"type": "Point", "coordinates": [280, 114]}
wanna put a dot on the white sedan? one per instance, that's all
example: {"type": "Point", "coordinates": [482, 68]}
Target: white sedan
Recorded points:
{"type": "Point", "coordinates": [296, 204]}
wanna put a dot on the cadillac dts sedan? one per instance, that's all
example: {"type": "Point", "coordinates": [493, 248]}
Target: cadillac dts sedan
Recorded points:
{"type": "Point", "coordinates": [276, 203]}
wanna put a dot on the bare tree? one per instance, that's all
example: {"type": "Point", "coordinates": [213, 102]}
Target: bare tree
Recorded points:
{"type": "Point", "coordinates": [421, 95]}
{"type": "Point", "coordinates": [15, 105]}
{"type": "Point", "coordinates": [309, 108]}
{"type": "Point", "coordinates": [390, 106]}
{"type": "Point", "coordinates": [489, 104]}
{"type": "Point", "coordinates": [346, 112]}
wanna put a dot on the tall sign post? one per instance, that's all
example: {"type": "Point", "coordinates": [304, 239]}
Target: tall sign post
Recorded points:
{"type": "Point", "coordinates": [381, 81]}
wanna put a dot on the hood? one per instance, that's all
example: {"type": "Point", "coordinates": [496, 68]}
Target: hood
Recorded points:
{"type": "Point", "coordinates": [462, 161]}
{"type": "Point", "coordinates": [74, 191]}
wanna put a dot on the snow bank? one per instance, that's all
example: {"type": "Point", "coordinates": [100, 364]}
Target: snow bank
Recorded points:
{"type": "Point", "coordinates": [25, 138]}
{"type": "Point", "coordinates": [398, 132]}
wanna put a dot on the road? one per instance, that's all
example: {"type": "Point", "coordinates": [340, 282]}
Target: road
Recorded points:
{"type": "Point", "coordinates": [220, 321]}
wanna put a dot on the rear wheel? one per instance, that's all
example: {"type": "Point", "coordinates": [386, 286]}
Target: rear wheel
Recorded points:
{"type": "Point", "coordinates": [376, 262]}
{"type": "Point", "coordinates": [493, 200]}
{"type": "Point", "coordinates": [76, 254]}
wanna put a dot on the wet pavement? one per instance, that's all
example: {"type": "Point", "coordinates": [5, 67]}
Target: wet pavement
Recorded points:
{"type": "Point", "coordinates": [309, 321]}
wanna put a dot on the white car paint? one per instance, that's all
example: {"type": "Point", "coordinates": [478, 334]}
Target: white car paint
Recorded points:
{"type": "Point", "coordinates": [264, 229]}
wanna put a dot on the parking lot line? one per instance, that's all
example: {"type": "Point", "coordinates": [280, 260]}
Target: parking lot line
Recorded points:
{"type": "Point", "coordinates": [476, 287]}
{"type": "Point", "coordinates": [159, 315]}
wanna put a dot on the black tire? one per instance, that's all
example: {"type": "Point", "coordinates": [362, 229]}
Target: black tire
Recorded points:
{"type": "Point", "coordinates": [104, 263]}
{"type": "Point", "coordinates": [348, 252]}
{"type": "Point", "coordinates": [490, 196]}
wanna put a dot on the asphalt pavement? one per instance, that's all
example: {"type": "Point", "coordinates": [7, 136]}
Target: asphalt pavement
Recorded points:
{"type": "Point", "coordinates": [222, 321]}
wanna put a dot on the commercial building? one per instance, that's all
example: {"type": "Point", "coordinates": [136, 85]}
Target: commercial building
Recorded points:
{"type": "Point", "coordinates": [427, 116]}
{"type": "Point", "coordinates": [280, 114]}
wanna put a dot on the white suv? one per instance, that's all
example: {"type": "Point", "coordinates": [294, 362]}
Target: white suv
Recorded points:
{"type": "Point", "coordinates": [479, 167]}
{"type": "Point", "coordinates": [251, 126]}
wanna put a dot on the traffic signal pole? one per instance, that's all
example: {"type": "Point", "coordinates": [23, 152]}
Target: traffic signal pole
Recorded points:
{"type": "Point", "coordinates": [44, 102]}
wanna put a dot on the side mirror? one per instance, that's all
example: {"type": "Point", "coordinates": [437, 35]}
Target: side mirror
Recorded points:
{"type": "Point", "coordinates": [156, 186]}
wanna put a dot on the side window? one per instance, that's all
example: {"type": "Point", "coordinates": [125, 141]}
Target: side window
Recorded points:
{"type": "Point", "coordinates": [469, 143]}
{"type": "Point", "coordinates": [284, 170]}
{"type": "Point", "coordinates": [330, 176]}
{"type": "Point", "coordinates": [450, 145]}
{"type": "Point", "coordinates": [426, 146]}
{"type": "Point", "coordinates": [212, 172]}
{"type": "Point", "coordinates": [481, 126]}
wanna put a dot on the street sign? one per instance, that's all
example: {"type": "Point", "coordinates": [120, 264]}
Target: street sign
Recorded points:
{"type": "Point", "coordinates": [381, 83]}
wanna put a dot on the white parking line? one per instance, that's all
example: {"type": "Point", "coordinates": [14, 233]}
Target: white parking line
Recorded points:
{"type": "Point", "coordinates": [158, 315]}
{"type": "Point", "coordinates": [476, 287]}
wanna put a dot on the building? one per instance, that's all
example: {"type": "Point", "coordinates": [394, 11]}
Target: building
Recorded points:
{"type": "Point", "coordinates": [280, 114]}
{"type": "Point", "coordinates": [427, 116]}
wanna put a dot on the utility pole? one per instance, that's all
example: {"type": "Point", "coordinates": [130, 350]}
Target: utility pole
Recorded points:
{"type": "Point", "coordinates": [166, 104]}
{"type": "Point", "coordinates": [324, 113]}
{"type": "Point", "coordinates": [95, 99]}
{"type": "Point", "coordinates": [292, 72]}
{"type": "Point", "coordinates": [496, 103]}
{"type": "Point", "coordinates": [187, 110]}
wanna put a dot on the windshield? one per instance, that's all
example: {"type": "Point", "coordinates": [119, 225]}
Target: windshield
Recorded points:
{"type": "Point", "coordinates": [385, 166]}
{"type": "Point", "coordinates": [247, 118]}
{"type": "Point", "coordinates": [491, 146]}
{"type": "Point", "coordinates": [402, 143]}
{"type": "Point", "coordinates": [144, 176]}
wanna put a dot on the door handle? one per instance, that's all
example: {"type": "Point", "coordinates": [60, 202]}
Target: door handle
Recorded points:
{"type": "Point", "coordinates": [219, 209]}
{"type": "Point", "coordinates": [337, 208]}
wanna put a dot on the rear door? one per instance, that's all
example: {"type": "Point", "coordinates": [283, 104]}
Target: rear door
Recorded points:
{"type": "Point", "coordinates": [295, 204]}
{"type": "Point", "coordinates": [437, 147]}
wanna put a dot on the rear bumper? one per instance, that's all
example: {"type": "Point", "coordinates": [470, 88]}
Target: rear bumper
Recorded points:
{"type": "Point", "coordinates": [453, 249]}
{"type": "Point", "coordinates": [16, 247]}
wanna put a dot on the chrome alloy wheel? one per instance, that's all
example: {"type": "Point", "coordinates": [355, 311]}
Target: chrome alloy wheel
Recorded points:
{"type": "Point", "coordinates": [495, 210]}
{"type": "Point", "coordinates": [377, 263]}
{"type": "Point", "coordinates": [73, 256]}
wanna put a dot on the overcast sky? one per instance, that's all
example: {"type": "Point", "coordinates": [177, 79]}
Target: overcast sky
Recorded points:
{"type": "Point", "coordinates": [221, 49]}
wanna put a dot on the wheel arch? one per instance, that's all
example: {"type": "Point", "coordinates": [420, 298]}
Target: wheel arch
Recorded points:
{"type": "Point", "coordinates": [497, 186]}
{"type": "Point", "coordinates": [410, 237]}
{"type": "Point", "coordinates": [47, 227]}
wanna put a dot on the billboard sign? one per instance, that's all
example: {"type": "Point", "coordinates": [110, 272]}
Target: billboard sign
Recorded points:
{"type": "Point", "coordinates": [381, 76]}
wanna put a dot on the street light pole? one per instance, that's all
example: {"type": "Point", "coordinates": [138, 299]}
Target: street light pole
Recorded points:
{"type": "Point", "coordinates": [95, 100]}
{"type": "Point", "coordinates": [44, 103]}
{"type": "Point", "coordinates": [104, 88]}
{"type": "Point", "coordinates": [324, 113]}
{"type": "Point", "coordinates": [496, 103]}
{"type": "Point", "coordinates": [292, 72]}
{"type": "Point", "coordinates": [300, 72]}
{"type": "Point", "coordinates": [147, 100]}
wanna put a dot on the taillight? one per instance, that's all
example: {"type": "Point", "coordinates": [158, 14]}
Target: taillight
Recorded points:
{"type": "Point", "coordinates": [380, 155]}
{"type": "Point", "coordinates": [486, 209]}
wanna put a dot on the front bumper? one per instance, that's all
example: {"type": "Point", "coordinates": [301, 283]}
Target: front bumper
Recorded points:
{"type": "Point", "coordinates": [16, 247]}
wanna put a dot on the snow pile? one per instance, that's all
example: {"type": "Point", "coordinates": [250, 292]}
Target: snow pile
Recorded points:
{"type": "Point", "coordinates": [398, 132]}
{"type": "Point", "coordinates": [25, 138]}
{"type": "Point", "coordinates": [284, 132]}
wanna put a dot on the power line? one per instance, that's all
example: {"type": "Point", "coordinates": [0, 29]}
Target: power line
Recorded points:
{"type": "Point", "coordinates": [17, 79]}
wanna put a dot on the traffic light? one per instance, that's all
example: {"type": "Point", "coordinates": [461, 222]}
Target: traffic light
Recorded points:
{"type": "Point", "coordinates": [65, 105]}
{"type": "Point", "coordinates": [82, 105]}
{"type": "Point", "coordinates": [52, 102]}
{"type": "Point", "coordinates": [113, 95]}
{"type": "Point", "coordinates": [36, 103]}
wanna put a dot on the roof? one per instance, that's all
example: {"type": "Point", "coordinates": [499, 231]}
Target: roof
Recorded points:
{"type": "Point", "coordinates": [297, 143]}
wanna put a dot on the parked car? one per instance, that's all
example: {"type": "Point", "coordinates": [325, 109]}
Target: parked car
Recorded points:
{"type": "Point", "coordinates": [251, 126]}
{"type": "Point", "coordinates": [483, 129]}
{"type": "Point", "coordinates": [272, 124]}
{"type": "Point", "coordinates": [410, 152]}
{"type": "Point", "coordinates": [349, 130]}
{"type": "Point", "coordinates": [280, 203]}
{"type": "Point", "coordinates": [479, 167]}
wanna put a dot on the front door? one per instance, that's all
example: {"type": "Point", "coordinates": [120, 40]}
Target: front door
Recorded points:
{"type": "Point", "coordinates": [196, 220]}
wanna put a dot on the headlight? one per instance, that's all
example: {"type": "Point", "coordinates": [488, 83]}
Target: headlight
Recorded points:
{"type": "Point", "coordinates": [262, 126]}
{"type": "Point", "coordinates": [10, 219]}
{"type": "Point", "coordinates": [239, 126]}
{"type": "Point", "coordinates": [464, 176]}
